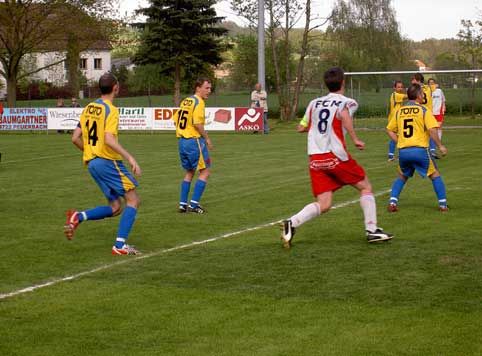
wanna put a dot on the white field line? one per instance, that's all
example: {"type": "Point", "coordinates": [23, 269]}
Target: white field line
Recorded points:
{"type": "Point", "coordinates": [159, 252]}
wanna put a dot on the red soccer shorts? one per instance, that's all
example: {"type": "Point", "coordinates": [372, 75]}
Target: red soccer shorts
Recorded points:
{"type": "Point", "coordinates": [328, 173]}
{"type": "Point", "coordinates": [440, 119]}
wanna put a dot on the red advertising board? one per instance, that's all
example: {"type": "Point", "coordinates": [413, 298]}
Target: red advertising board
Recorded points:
{"type": "Point", "coordinates": [248, 119]}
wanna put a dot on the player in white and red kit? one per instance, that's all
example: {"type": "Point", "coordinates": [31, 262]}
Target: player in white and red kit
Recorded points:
{"type": "Point", "coordinates": [438, 105]}
{"type": "Point", "coordinates": [327, 119]}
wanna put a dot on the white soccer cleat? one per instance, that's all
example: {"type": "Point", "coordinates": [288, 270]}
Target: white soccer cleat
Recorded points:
{"type": "Point", "coordinates": [378, 235]}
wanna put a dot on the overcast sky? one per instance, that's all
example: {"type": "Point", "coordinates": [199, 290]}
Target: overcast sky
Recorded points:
{"type": "Point", "coordinates": [418, 19]}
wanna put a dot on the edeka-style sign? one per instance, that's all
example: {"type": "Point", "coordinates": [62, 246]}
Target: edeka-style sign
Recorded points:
{"type": "Point", "coordinates": [217, 119]}
{"type": "Point", "coordinates": [24, 119]}
{"type": "Point", "coordinates": [249, 119]}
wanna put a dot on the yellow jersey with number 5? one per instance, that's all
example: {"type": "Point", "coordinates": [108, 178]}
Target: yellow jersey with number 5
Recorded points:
{"type": "Point", "coordinates": [191, 112]}
{"type": "Point", "coordinates": [412, 122]}
{"type": "Point", "coordinates": [96, 119]}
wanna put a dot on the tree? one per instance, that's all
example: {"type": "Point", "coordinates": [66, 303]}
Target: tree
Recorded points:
{"type": "Point", "coordinates": [147, 78]}
{"type": "Point", "coordinates": [182, 37]}
{"type": "Point", "coordinates": [365, 36]}
{"type": "Point", "coordinates": [30, 26]}
{"type": "Point", "coordinates": [470, 37]}
{"type": "Point", "coordinates": [283, 15]}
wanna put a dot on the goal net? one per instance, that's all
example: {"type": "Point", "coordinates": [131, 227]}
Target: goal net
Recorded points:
{"type": "Point", "coordinates": [462, 90]}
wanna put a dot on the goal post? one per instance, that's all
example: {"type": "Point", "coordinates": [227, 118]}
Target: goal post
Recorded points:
{"type": "Point", "coordinates": [462, 89]}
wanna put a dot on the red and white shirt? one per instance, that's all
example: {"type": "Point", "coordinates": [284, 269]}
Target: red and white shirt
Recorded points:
{"type": "Point", "coordinates": [326, 133]}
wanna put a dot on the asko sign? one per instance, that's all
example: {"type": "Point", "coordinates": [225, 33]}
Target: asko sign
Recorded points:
{"type": "Point", "coordinates": [248, 119]}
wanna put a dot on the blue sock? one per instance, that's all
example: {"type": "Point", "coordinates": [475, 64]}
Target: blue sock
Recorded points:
{"type": "Point", "coordinates": [397, 188]}
{"type": "Point", "coordinates": [185, 187]}
{"type": "Point", "coordinates": [125, 225]}
{"type": "Point", "coordinates": [198, 192]}
{"type": "Point", "coordinates": [439, 188]}
{"type": "Point", "coordinates": [96, 213]}
{"type": "Point", "coordinates": [432, 145]}
{"type": "Point", "coordinates": [391, 148]}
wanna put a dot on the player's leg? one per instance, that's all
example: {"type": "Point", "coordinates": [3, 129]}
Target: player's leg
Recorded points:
{"type": "Point", "coordinates": [440, 191]}
{"type": "Point", "coordinates": [397, 188]}
{"type": "Point", "coordinates": [391, 150]}
{"type": "Point", "coordinates": [125, 224]}
{"type": "Point", "coordinates": [185, 188]}
{"type": "Point", "coordinates": [203, 164]}
{"type": "Point", "coordinates": [265, 122]}
{"type": "Point", "coordinates": [97, 169]}
{"type": "Point", "coordinates": [369, 207]}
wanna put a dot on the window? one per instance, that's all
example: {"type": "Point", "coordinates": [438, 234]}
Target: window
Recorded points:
{"type": "Point", "coordinates": [83, 63]}
{"type": "Point", "coordinates": [97, 63]}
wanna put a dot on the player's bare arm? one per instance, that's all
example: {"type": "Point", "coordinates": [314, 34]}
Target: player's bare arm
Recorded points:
{"type": "Point", "coordinates": [434, 136]}
{"type": "Point", "coordinates": [347, 123]}
{"type": "Point", "coordinates": [393, 136]}
{"type": "Point", "coordinates": [111, 141]}
{"type": "Point", "coordinates": [77, 138]}
{"type": "Point", "coordinates": [204, 134]}
{"type": "Point", "coordinates": [301, 128]}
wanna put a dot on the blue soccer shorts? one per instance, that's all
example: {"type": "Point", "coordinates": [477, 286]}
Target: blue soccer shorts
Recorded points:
{"type": "Point", "coordinates": [112, 177]}
{"type": "Point", "coordinates": [194, 154]}
{"type": "Point", "coordinates": [418, 159]}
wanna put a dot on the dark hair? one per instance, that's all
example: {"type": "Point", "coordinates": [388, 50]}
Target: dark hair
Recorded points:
{"type": "Point", "coordinates": [107, 82]}
{"type": "Point", "coordinates": [431, 79]}
{"type": "Point", "coordinates": [396, 82]}
{"type": "Point", "coordinates": [418, 77]}
{"type": "Point", "coordinates": [333, 78]}
{"type": "Point", "coordinates": [200, 81]}
{"type": "Point", "coordinates": [413, 91]}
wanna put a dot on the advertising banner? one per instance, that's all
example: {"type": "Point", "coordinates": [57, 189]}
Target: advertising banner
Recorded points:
{"type": "Point", "coordinates": [217, 119]}
{"type": "Point", "coordinates": [135, 118]}
{"type": "Point", "coordinates": [24, 119]}
{"type": "Point", "coordinates": [249, 119]}
{"type": "Point", "coordinates": [63, 118]}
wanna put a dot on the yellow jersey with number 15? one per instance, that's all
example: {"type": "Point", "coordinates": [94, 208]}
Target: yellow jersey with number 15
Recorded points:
{"type": "Point", "coordinates": [191, 112]}
{"type": "Point", "coordinates": [96, 119]}
{"type": "Point", "coordinates": [412, 122]}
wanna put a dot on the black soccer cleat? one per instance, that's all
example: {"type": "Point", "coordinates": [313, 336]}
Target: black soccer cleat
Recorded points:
{"type": "Point", "coordinates": [287, 233]}
{"type": "Point", "coordinates": [378, 235]}
{"type": "Point", "coordinates": [198, 209]}
{"type": "Point", "coordinates": [182, 209]}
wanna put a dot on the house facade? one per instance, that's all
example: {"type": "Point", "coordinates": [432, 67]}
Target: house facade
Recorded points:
{"type": "Point", "coordinates": [93, 63]}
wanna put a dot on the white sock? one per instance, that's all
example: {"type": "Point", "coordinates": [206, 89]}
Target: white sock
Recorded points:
{"type": "Point", "coordinates": [439, 131]}
{"type": "Point", "coordinates": [369, 207]}
{"type": "Point", "coordinates": [306, 214]}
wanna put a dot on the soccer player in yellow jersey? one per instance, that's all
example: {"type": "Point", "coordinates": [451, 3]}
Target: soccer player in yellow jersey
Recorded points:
{"type": "Point", "coordinates": [397, 98]}
{"type": "Point", "coordinates": [97, 137]}
{"type": "Point", "coordinates": [194, 145]}
{"type": "Point", "coordinates": [411, 128]}
{"type": "Point", "coordinates": [427, 103]}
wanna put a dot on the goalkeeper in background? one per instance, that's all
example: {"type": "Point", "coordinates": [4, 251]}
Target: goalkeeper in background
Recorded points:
{"type": "Point", "coordinates": [397, 98]}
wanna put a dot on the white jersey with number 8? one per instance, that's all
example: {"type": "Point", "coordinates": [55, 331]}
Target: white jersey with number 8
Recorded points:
{"type": "Point", "coordinates": [326, 132]}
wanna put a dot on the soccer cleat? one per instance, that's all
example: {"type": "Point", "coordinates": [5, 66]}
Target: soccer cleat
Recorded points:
{"type": "Point", "coordinates": [378, 235]}
{"type": "Point", "coordinates": [125, 250]}
{"type": "Point", "coordinates": [198, 209]}
{"type": "Point", "coordinates": [182, 209]}
{"type": "Point", "coordinates": [71, 223]}
{"type": "Point", "coordinates": [287, 233]}
{"type": "Point", "coordinates": [391, 158]}
{"type": "Point", "coordinates": [443, 208]}
{"type": "Point", "coordinates": [392, 208]}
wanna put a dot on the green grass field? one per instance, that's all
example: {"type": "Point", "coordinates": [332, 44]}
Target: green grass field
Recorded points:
{"type": "Point", "coordinates": [331, 294]}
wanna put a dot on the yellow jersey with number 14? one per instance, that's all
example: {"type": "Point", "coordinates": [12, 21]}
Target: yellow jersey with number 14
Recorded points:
{"type": "Point", "coordinates": [412, 122]}
{"type": "Point", "coordinates": [191, 112]}
{"type": "Point", "coordinates": [96, 119]}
